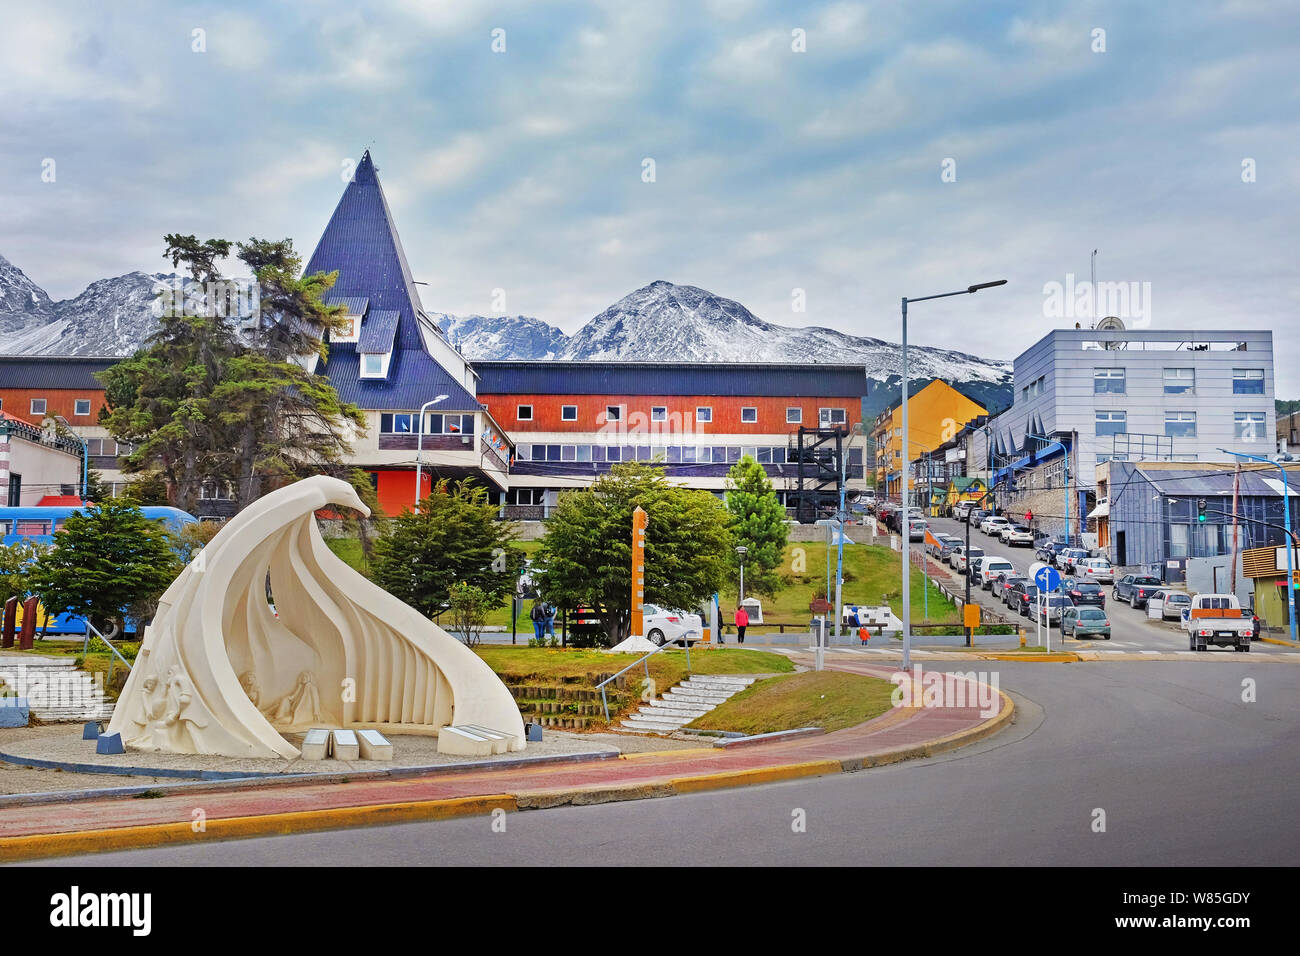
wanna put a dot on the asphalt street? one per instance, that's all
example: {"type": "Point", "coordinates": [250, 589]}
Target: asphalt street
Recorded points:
{"type": "Point", "coordinates": [1152, 763]}
{"type": "Point", "coordinates": [1131, 630]}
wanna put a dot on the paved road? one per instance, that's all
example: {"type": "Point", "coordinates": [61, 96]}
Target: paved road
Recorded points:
{"type": "Point", "coordinates": [1185, 772]}
{"type": "Point", "coordinates": [1132, 632]}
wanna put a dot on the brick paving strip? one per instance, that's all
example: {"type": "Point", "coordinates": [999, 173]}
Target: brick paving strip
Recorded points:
{"type": "Point", "coordinates": [116, 823]}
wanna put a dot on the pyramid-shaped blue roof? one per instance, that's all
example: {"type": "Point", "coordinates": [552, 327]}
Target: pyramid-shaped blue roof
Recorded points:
{"type": "Point", "coordinates": [362, 244]}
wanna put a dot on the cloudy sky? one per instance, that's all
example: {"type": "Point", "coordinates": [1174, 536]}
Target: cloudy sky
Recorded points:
{"type": "Point", "coordinates": [857, 151]}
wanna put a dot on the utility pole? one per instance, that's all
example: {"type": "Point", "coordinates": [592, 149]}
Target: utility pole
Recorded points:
{"type": "Point", "coordinates": [1236, 489]}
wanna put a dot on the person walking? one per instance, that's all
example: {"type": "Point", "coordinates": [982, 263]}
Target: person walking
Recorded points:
{"type": "Point", "coordinates": [550, 619]}
{"type": "Point", "coordinates": [742, 622]}
{"type": "Point", "coordinates": [538, 615]}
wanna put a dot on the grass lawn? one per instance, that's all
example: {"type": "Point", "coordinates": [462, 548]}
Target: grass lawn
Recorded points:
{"type": "Point", "coordinates": [667, 668]}
{"type": "Point", "coordinates": [872, 575]}
{"type": "Point", "coordinates": [831, 700]}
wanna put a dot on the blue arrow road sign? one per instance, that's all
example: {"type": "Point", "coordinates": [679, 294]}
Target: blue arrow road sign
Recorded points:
{"type": "Point", "coordinates": [1048, 579]}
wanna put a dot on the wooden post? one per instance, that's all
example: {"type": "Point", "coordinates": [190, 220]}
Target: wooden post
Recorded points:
{"type": "Point", "coordinates": [10, 616]}
{"type": "Point", "coordinates": [28, 633]}
{"type": "Point", "coordinates": [638, 570]}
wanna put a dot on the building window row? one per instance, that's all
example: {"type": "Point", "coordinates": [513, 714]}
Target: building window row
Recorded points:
{"type": "Point", "coordinates": [408, 423]}
{"type": "Point", "coordinates": [1177, 381]}
{"type": "Point", "coordinates": [703, 414]}
{"type": "Point", "coordinates": [39, 406]}
{"type": "Point", "coordinates": [672, 454]}
{"type": "Point", "coordinates": [1247, 426]}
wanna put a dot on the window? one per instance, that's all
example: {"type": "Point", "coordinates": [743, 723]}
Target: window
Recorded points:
{"type": "Point", "coordinates": [1180, 424]}
{"type": "Point", "coordinates": [749, 415]}
{"type": "Point", "coordinates": [794, 416]}
{"type": "Point", "coordinates": [704, 413]}
{"type": "Point", "coordinates": [613, 453]}
{"type": "Point", "coordinates": [659, 413]}
{"type": "Point", "coordinates": [613, 413]}
{"type": "Point", "coordinates": [372, 365]}
{"type": "Point", "coordinates": [832, 416]}
{"type": "Point", "coordinates": [81, 407]}
{"type": "Point", "coordinates": [524, 413]}
{"type": "Point", "coordinates": [403, 424]}
{"type": "Point", "coordinates": [523, 452]}
{"type": "Point", "coordinates": [568, 413]}
{"type": "Point", "coordinates": [584, 453]}
{"type": "Point", "coordinates": [38, 406]}
{"type": "Point", "coordinates": [765, 455]}
{"type": "Point", "coordinates": [598, 453]}
{"type": "Point", "coordinates": [690, 454]}
{"type": "Point", "coordinates": [552, 452]}
{"type": "Point", "coordinates": [778, 456]}
{"type": "Point", "coordinates": [1249, 426]}
{"type": "Point", "coordinates": [750, 451]}
{"type": "Point", "coordinates": [1112, 423]}
{"type": "Point", "coordinates": [1180, 381]}
{"type": "Point", "coordinates": [1108, 381]}
{"type": "Point", "coordinates": [1248, 381]}
{"type": "Point", "coordinates": [568, 453]}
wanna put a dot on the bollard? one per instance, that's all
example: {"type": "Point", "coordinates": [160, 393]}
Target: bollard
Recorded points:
{"type": "Point", "coordinates": [1022, 637]}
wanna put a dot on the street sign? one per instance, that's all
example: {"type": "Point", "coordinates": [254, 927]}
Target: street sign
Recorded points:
{"type": "Point", "coordinates": [970, 615]}
{"type": "Point", "coordinates": [819, 606]}
{"type": "Point", "coordinates": [1047, 579]}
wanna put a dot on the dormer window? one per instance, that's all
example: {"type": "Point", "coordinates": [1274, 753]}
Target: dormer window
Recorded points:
{"type": "Point", "coordinates": [376, 342]}
{"type": "Point", "coordinates": [355, 307]}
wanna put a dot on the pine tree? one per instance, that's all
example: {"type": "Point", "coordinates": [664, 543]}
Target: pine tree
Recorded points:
{"type": "Point", "coordinates": [585, 559]}
{"type": "Point", "coordinates": [758, 523]}
{"type": "Point", "coordinates": [456, 537]}
{"type": "Point", "coordinates": [105, 561]}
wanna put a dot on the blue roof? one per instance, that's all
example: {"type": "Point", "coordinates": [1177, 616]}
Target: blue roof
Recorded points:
{"type": "Point", "coordinates": [377, 331]}
{"type": "Point", "coordinates": [355, 304]}
{"type": "Point", "coordinates": [670, 378]}
{"type": "Point", "coordinates": [361, 244]}
{"type": "Point", "coordinates": [53, 371]}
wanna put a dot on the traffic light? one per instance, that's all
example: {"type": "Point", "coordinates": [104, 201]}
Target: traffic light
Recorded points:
{"type": "Point", "coordinates": [1295, 579]}
{"type": "Point", "coordinates": [1200, 509]}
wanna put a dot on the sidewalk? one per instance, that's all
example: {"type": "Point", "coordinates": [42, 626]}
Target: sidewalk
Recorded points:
{"type": "Point", "coordinates": [115, 823]}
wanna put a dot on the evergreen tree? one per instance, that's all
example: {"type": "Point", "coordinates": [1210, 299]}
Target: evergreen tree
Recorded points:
{"type": "Point", "coordinates": [586, 555]}
{"type": "Point", "coordinates": [16, 562]}
{"type": "Point", "coordinates": [758, 523]}
{"type": "Point", "coordinates": [104, 561]}
{"type": "Point", "coordinates": [456, 537]}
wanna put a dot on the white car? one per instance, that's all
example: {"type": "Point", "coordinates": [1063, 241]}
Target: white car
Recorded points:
{"type": "Point", "coordinates": [662, 626]}
{"type": "Point", "coordinates": [993, 524]}
{"type": "Point", "coordinates": [961, 557]}
{"type": "Point", "coordinates": [1014, 535]}
{"type": "Point", "coordinates": [1095, 569]}
{"type": "Point", "coordinates": [990, 568]}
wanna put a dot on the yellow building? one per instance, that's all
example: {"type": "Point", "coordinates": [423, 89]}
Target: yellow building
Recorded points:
{"type": "Point", "coordinates": [935, 414]}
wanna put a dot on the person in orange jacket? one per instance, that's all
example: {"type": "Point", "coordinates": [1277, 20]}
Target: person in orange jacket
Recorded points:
{"type": "Point", "coordinates": [742, 622]}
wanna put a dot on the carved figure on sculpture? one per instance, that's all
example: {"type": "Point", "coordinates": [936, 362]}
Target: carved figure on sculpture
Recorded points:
{"type": "Point", "coordinates": [215, 662]}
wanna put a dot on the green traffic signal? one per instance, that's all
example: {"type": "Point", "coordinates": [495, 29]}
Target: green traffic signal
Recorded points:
{"type": "Point", "coordinates": [1200, 509]}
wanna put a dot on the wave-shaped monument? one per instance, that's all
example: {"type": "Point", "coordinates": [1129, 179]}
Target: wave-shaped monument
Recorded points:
{"type": "Point", "coordinates": [222, 671]}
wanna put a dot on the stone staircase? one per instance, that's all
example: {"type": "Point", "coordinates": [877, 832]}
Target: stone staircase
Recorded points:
{"type": "Point", "coordinates": [56, 689]}
{"type": "Point", "coordinates": [685, 702]}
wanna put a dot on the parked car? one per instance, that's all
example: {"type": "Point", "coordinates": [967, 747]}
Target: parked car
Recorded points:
{"type": "Point", "coordinates": [1045, 550]}
{"type": "Point", "coordinates": [662, 626]}
{"type": "Point", "coordinates": [1018, 536]}
{"type": "Point", "coordinates": [1066, 558]}
{"type": "Point", "coordinates": [1050, 608]}
{"type": "Point", "coordinates": [1022, 598]}
{"type": "Point", "coordinates": [949, 546]}
{"type": "Point", "coordinates": [935, 542]}
{"type": "Point", "coordinates": [1135, 589]}
{"type": "Point", "coordinates": [990, 524]}
{"type": "Point", "coordinates": [1167, 605]}
{"type": "Point", "coordinates": [1003, 584]}
{"type": "Point", "coordinates": [962, 557]}
{"type": "Point", "coordinates": [1086, 592]}
{"type": "Point", "coordinates": [916, 529]}
{"type": "Point", "coordinates": [1217, 619]}
{"type": "Point", "coordinates": [976, 516]}
{"type": "Point", "coordinates": [1085, 621]}
{"type": "Point", "coordinates": [1097, 569]}
{"type": "Point", "coordinates": [973, 568]}
{"type": "Point", "coordinates": [990, 568]}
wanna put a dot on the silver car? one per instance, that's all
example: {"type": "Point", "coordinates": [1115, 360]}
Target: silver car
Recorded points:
{"type": "Point", "coordinates": [1051, 606]}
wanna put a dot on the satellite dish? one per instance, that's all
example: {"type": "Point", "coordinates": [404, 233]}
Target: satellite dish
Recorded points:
{"type": "Point", "coordinates": [1112, 323]}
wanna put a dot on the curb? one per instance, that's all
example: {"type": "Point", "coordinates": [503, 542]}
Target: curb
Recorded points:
{"type": "Point", "coordinates": [38, 846]}
{"type": "Point", "coordinates": [1057, 657]}
{"type": "Point", "coordinates": [1278, 640]}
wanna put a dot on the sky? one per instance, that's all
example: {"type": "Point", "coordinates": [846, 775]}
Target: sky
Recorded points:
{"type": "Point", "coordinates": [814, 161]}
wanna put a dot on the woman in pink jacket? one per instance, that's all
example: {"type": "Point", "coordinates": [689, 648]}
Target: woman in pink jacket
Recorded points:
{"type": "Point", "coordinates": [742, 622]}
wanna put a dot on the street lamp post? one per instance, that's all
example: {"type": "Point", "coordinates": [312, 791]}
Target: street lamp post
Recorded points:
{"type": "Point", "coordinates": [741, 551]}
{"type": "Point", "coordinates": [419, 445]}
{"type": "Point", "coordinates": [1290, 543]}
{"type": "Point", "coordinates": [906, 463]}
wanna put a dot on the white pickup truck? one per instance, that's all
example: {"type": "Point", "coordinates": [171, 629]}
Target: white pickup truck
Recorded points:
{"type": "Point", "coordinates": [1216, 619]}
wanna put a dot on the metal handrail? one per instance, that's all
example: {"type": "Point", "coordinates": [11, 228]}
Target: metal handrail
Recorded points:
{"type": "Point", "coordinates": [85, 646]}
{"type": "Point", "coordinates": [662, 647]}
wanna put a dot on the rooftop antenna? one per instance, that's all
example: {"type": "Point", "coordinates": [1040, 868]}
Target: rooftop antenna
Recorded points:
{"type": "Point", "coordinates": [1094, 288]}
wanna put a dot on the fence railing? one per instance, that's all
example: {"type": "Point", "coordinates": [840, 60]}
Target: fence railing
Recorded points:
{"type": "Point", "coordinates": [645, 661]}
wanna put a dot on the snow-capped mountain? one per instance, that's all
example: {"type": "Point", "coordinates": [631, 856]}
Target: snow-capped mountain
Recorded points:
{"type": "Point", "coordinates": [663, 321]}
{"type": "Point", "coordinates": [501, 336]}
{"type": "Point", "coordinates": [23, 304]}
{"type": "Point", "coordinates": [660, 322]}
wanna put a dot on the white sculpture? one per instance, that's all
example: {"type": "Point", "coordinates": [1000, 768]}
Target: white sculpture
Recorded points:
{"type": "Point", "coordinates": [221, 672]}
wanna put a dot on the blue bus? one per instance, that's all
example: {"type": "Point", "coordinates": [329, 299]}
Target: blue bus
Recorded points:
{"type": "Point", "coordinates": [39, 524]}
